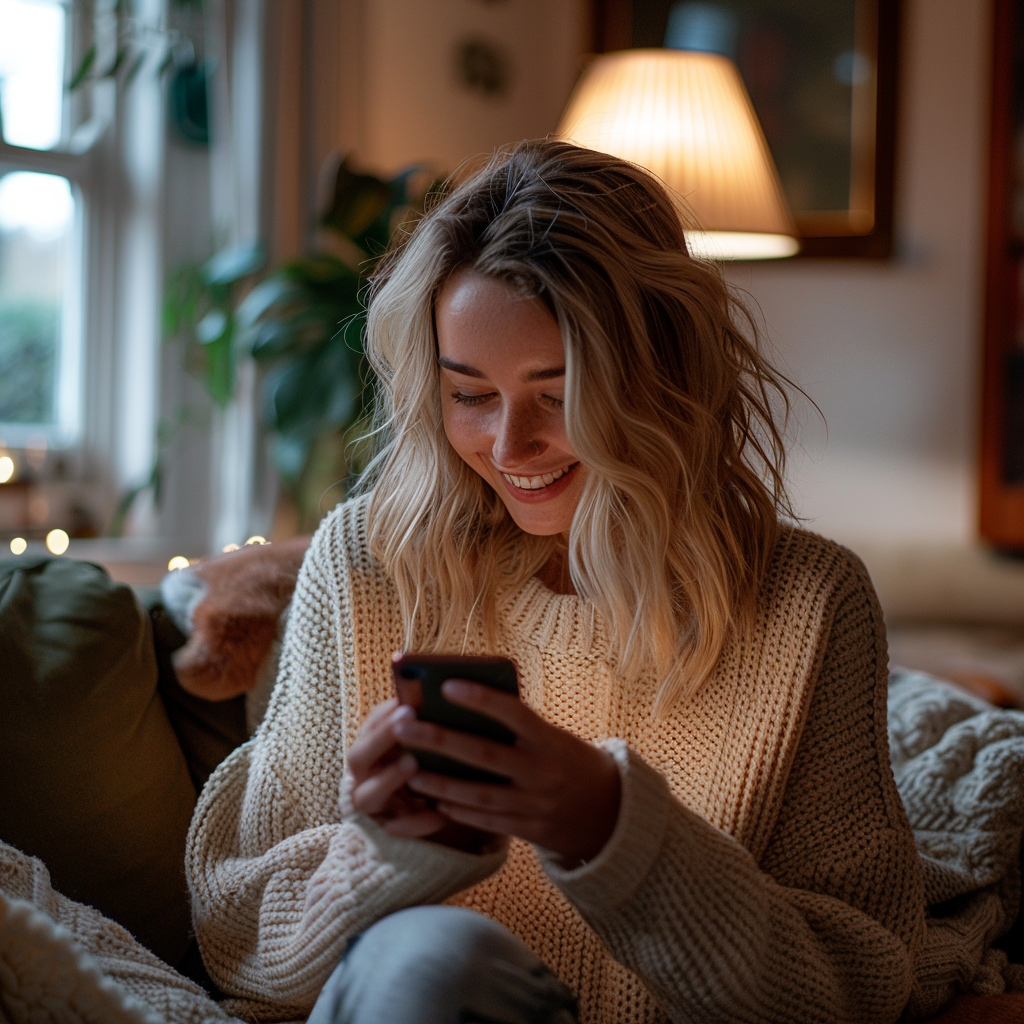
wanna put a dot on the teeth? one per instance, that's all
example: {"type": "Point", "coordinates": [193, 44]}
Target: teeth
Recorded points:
{"type": "Point", "coordinates": [534, 483]}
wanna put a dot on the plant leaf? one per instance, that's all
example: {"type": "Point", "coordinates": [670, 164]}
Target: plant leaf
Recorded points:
{"type": "Point", "coordinates": [233, 263]}
{"type": "Point", "coordinates": [80, 75]}
{"type": "Point", "coordinates": [274, 290]}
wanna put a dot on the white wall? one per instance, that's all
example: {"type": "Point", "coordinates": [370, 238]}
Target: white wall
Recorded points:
{"type": "Point", "coordinates": [891, 351]}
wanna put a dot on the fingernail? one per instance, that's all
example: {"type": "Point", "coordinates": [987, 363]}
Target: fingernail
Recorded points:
{"type": "Point", "coordinates": [456, 688]}
{"type": "Point", "coordinates": [407, 763]}
{"type": "Point", "coordinates": [402, 713]}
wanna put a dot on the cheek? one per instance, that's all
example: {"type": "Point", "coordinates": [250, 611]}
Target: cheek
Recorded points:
{"type": "Point", "coordinates": [462, 430]}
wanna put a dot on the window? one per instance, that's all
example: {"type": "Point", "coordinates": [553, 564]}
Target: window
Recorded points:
{"type": "Point", "coordinates": [40, 215]}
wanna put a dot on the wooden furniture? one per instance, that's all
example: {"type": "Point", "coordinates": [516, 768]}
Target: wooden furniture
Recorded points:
{"type": "Point", "coordinates": [1002, 405]}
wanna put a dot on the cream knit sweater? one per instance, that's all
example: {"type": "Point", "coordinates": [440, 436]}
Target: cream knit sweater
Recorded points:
{"type": "Point", "coordinates": [762, 867]}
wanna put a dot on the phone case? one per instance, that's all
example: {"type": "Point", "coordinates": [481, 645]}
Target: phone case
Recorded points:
{"type": "Point", "coordinates": [418, 679]}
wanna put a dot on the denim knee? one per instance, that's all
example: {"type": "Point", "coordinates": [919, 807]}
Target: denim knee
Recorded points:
{"type": "Point", "coordinates": [441, 965]}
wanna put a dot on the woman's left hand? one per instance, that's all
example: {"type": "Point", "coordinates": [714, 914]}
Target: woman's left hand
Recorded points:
{"type": "Point", "coordinates": [563, 794]}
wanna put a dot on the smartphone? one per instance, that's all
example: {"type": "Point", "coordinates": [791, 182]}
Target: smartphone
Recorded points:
{"type": "Point", "coordinates": [418, 679]}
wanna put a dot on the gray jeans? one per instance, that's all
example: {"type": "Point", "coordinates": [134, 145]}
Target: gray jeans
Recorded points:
{"type": "Point", "coordinates": [441, 965]}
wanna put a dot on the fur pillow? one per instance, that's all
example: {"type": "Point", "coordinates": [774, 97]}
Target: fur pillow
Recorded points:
{"type": "Point", "coordinates": [230, 608]}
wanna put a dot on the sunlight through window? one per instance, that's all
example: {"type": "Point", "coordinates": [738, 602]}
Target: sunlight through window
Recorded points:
{"type": "Point", "coordinates": [32, 72]}
{"type": "Point", "coordinates": [36, 225]}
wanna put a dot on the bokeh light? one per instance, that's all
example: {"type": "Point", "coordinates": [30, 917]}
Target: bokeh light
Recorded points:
{"type": "Point", "coordinates": [18, 546]}
{"type": "Point", "coordinates": [57, 542]}
{"type": "Point", "coordinates": [177, 562]}
{"type": "Point", "coordinates": [228, 548]}
{"type": "Point", "coordinates": [6, 468]}
{"type": "Point", "coordinates": [257, 539]}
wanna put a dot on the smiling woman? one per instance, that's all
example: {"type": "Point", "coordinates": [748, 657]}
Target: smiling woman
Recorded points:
{"type": "Point", "coordinates": [579, 468]}
{"type": "Point", "coordinates": [502, 397]}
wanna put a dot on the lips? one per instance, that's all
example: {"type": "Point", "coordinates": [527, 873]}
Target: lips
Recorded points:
{"type": "Point", "coordinates": [535, 483]}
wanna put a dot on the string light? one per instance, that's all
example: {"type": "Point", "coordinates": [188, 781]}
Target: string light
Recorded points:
{"type": "Point", "coordinates": [6, 468]}
{"type": "Point", "coordinates": [177, 562]}
{"type": "Point", "coordinates": [57, 542]}
{"type": "Point", "coordinates": [257, 539]}
{"type": "Point", "coordinates": [228, 548]}
{"type": "Point", "coordinates": [18, 546]}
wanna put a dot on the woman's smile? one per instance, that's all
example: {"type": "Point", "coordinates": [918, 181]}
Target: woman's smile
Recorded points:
{"type": "Point", "coordinates": [542, 487]}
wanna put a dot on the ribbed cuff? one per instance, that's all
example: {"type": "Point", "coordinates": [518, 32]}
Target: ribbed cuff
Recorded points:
{"type": "Point", "coordinates": [440, 870]}
{"type": "Point", "coordinates": [615, 874]}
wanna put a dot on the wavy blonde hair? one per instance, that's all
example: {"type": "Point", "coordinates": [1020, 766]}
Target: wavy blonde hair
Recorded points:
{"type": "Point", "coordinates": [669, 403]}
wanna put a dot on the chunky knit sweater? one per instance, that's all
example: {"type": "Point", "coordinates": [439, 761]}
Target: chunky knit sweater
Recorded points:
{"type": "Point", "coordinates": [761, 868]}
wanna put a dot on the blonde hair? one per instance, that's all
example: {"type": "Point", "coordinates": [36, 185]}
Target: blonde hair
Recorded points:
{"type": "Point", "coordinates": [669, 404]}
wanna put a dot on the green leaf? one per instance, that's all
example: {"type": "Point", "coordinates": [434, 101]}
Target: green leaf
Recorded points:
{"type": "Point", "coordinates": [289, 455]}
{"type": "Point", "coordinates": [88, 59]}
{"type": "Point", "coordinates": [234, 263]}
{"type": "Point", "coordinates": [357, 201]}
{"type": "Point", "coordinates": [212, 327]}
{"type": "Point", "coordinates": [220, 369]}
{"type": "Point", "coordinates": [133, 70]}
{"type": "Point", "coordinates": [272, 291]}
{"type": "Point", "coordinates": [119, 58]}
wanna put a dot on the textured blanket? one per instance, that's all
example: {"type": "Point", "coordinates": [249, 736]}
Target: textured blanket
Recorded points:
{"type": "Point", "coordinates": [959, 766]}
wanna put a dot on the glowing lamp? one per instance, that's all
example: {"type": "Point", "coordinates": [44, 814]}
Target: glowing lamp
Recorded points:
{"type": "Point", "coordinates": [686, 116]}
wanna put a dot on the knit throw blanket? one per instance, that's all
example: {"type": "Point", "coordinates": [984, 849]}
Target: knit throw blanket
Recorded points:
{"type": "Point", "coordinates": [959, 766]}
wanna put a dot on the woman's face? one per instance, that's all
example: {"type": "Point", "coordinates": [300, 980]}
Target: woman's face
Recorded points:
{"type": "Point", "coordinates": [502, 388]}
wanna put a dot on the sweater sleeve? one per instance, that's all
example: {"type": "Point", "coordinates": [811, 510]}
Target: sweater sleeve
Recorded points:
{"type": "Point", "coordinates": [826, 925]}
{"type": "Point", "coordinates": [282, 872]}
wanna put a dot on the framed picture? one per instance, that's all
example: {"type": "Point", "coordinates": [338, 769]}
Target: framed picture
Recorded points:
{"type": "Point", "coordinates": [822, 77]}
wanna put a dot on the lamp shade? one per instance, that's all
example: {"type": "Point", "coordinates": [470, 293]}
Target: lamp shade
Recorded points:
{"type": "Point", "coordinates": [686, 116]}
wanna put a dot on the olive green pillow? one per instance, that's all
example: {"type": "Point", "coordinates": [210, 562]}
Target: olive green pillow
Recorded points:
{"type": "Point", "coordinates": [94, 782]}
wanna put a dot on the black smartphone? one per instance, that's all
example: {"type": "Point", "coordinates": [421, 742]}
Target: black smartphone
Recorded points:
{"type": "Point", "coordinates": [418, 679]}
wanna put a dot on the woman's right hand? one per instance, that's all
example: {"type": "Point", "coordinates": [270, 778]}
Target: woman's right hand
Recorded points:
{"type": "Point", "coordinates": [381, 768]}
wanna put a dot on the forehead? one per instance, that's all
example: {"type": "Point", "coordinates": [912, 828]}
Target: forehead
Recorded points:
{"type": "Point", "coordinates": [485, 322]}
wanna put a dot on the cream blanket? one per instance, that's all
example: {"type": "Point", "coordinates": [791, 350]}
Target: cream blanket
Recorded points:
{"type": "Point", "coordinates": [959, 767]}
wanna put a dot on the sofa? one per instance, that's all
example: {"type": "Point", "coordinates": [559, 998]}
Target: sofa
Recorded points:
{"type": "Point", "coordinates": [116, 709]}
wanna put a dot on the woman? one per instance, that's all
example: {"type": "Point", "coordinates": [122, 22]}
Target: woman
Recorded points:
{"type": "Point", "coordinates": [701, 823]}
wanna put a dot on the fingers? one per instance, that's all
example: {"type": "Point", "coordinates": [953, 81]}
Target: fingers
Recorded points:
{"type": "Point", "coordinates": [506, 708]}
{"type": "Point", "coordinates": [373, 796]}
{"type": "Point", "coordinates": [462, 746]}
{"type": "Point", "coordinates": [376, 737]}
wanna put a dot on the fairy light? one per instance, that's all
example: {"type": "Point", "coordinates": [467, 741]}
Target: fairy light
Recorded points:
{"type": "Point", "coordinates": [256, 539]}
{"type": "Point", "coordinates": [18, 546]}
{"type": "Point", "coordinates": [177, 562]}
{"type": "Point", "coordinates": [6, 468]}
{"type": "Point", "coordinates": [57, 542]}
{"type": "Point", "coordinates": [228, 548]}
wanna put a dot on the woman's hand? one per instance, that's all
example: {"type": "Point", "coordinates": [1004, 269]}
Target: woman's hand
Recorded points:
{"type": "Point", "coordinates": [381, 770]}
{"type": "Point", "coordinates": [563, 794]}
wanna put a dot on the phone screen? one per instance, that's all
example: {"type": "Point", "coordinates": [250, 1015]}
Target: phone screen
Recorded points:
{"type": "Point", "coordinates": [418, 679]}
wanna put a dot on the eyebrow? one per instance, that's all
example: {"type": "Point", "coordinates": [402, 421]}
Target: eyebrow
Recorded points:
{"type": "Point", "coordinates": [534, 375]}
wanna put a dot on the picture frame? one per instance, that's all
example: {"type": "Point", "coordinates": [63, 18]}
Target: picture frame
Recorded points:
{"type": "Point", "coordinates": [841, 193]}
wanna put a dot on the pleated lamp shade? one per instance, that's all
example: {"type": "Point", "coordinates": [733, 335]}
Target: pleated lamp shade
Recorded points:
{"type": "Point", "coordinates": [686, 116]}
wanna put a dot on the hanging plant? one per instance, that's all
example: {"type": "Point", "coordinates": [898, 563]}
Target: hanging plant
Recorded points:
{"type": "Point", "coordinates": [304, 324]}
{"type": "Point", "coordinates": [200, 310]}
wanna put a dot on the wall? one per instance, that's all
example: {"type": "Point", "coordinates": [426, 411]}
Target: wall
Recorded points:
{"type": "Point", "coordinates": [411, 105]}
{"type": "Point", "coordinates": [891, 351]}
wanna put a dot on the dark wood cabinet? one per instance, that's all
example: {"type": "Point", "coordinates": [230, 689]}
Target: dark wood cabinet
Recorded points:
{"type": "Point", "coordinates": [1002, 401]}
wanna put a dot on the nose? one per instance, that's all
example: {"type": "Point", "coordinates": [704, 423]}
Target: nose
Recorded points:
{"type": "Point", "coordinates": [518, 437]}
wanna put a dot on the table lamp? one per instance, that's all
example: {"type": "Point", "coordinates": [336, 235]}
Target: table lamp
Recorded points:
{"type": "Point", "coordinates": [686, 116]}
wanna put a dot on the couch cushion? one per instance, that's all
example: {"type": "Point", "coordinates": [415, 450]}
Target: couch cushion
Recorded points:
{"type": "Point", "coordinates": [94, 781]}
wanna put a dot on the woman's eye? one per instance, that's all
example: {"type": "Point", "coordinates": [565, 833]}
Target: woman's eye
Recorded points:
{"type": "Point", "coordinates": [464, 399]}
{"type": "Point", "coordinates": [558, 403]}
